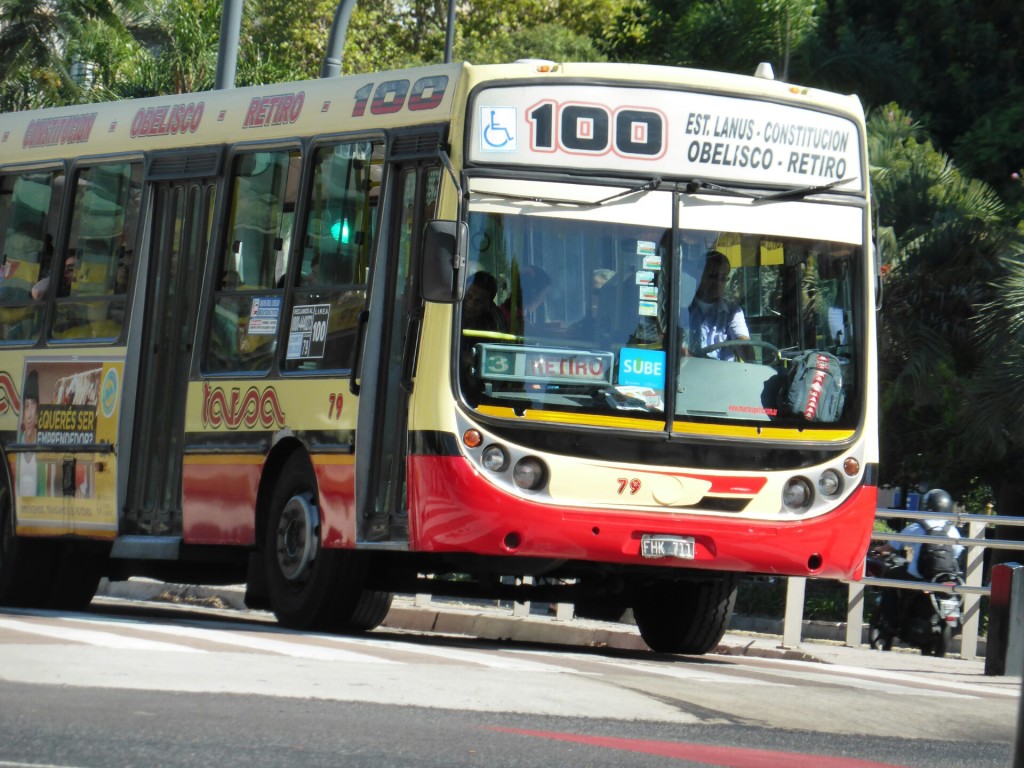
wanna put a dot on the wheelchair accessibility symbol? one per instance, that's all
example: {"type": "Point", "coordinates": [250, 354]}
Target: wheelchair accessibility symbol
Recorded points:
{"type": "Point", "coordinates": [499, 129]}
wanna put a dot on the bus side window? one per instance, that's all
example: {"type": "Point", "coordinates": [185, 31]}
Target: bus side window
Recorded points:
{"type": "Point", "coordinates": [253, 260]}
{"type": "Point", "coordinates": [90, 301]}
{"type": "Point", "coordinates": [338, 233]}
{"type": "Point", "coordinates": [29, 212]}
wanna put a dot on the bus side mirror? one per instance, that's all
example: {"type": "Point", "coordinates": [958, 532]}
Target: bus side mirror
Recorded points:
{"type": "Point", "coordinates": [443, 261]}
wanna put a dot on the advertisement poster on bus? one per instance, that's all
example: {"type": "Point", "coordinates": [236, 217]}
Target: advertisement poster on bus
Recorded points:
{"type": "Point", "coordinates": [67, 408]}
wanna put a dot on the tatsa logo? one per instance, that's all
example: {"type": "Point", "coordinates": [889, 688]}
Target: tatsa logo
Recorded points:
{"type": "Point", "coordinates": [249, 410]}
{"type": "Point", "coordinates": [9, 399]}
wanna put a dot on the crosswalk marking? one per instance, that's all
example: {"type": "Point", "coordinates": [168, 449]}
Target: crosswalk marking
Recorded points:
{"type": "Point", "coordinates": [259, 642]}
{"type": "Point", "coordinates": [139, 635]}
{"type": "Point", "coordinates": [93, 637]}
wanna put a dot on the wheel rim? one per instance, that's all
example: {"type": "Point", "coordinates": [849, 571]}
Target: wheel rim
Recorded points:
{"type": "Point", "coordinates": [297, 538]}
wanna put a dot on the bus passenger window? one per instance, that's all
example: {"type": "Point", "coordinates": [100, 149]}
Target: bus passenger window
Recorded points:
{"type": "Point", "coordinates": [253, 262]}
{"type": "Point", "coordinates": [338, 233]}
{"type": "Point", "coordinates": [29, 209]}
{"type": "Point", "coordinates": [90, 300]}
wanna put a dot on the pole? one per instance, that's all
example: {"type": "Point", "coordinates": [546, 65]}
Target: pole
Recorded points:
{"type": "Point", "coordinates": [336, 39]}
{"type": "Point", "coordinates": [449, 33]}
{"type": "Point", "coordinates": [227, 53]}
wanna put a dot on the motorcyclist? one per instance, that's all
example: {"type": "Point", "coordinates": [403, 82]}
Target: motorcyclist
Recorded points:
{"type": "Point", "coordinates": [936, 500]}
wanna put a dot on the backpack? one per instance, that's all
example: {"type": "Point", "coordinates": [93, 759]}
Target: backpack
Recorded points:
{"type": "Point", "coordinates": [933, 559]}
{"type": "Point", "coordinates": [815, 386]}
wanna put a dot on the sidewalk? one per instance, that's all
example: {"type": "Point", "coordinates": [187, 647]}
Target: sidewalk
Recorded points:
{"type": "Point", "coordinates": [489, 621]}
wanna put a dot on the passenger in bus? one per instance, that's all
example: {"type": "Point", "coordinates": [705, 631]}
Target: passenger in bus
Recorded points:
{"type": "Point", "coordinates": [711, 318]}
{"type": "Point", "coordinates": [525, 304]}
{"type": "Point", "coordinates": [479, 312]}
{"type": "Point", "coordinates": [587, 327]}
{"type": "Point", "coordinates": [230, 280]}
{"type": "Point", "coordinates": [480, 318]}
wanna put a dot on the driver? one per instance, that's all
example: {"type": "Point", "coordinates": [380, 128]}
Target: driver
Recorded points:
{"type": "Point", "coordinates": [711, 318]}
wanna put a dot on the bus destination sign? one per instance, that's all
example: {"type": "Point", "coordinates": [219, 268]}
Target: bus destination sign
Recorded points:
{"type": "Point", "coordinates": [499, 362]}
{"type": "Point", "coordinates": [658, 132]}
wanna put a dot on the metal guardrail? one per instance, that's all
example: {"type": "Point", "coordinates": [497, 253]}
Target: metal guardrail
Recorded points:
{"type": "Point", "coordinates": [972, 589]}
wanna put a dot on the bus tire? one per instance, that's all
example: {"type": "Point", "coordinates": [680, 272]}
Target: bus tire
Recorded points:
{"type": "Point", "coordinates": [75, 580]}
{"type": "Point", "coordinates": [309, 587]}
{"type": "Point", "coordinates": [685, 616]}
{"type": "Point", "coordinates": [25, 573]}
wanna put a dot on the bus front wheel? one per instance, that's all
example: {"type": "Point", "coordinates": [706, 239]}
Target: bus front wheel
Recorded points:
{"type": "Point", "coordinates": [685, 616]}
{"type": "Point", "coordinates": [310, 587]}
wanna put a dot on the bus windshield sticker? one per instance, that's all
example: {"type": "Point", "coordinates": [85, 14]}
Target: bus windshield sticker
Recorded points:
{"type": "Point", "coordinates": [264, 315]}
{"type": "Point", "coordinates": [642, 368]}
{"type": "Point", "coordinates": [307, 335]}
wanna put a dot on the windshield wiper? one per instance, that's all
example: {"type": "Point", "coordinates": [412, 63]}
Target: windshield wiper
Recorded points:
{"type": "Point", "coordinates": [799, 192]}
{"type": "Point", "coordinates": [643, 187]}
{"type": "Point", "coordinates": [693, 186]}
{"type": "Point", "coordinates": [647, 186]}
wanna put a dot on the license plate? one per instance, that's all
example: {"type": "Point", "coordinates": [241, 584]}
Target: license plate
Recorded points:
{"type": "Point", "coordinates": [681, 547]}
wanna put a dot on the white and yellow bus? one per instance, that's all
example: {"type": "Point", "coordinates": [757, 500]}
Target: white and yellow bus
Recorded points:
{"type": "Point", "coordinates": [438, 331]}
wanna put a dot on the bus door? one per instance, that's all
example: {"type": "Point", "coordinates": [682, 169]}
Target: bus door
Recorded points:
{"type": "Point", "coordinates": [180, 231]}
{"type": "Point", "coordinates": [389, 355]}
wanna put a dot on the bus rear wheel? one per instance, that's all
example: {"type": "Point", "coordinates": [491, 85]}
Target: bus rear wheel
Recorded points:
{"type": "Point", "coordinates": [25, 572]}
{"type": "Point", "coordinates": [310, 587]}
{"type": "Point", "coordinates": [685, 616]}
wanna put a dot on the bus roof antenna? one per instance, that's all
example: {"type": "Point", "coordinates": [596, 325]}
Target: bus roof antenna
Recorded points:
{"type": "Point", "coordinates": [764, 70]}
{"type": "Point", "coordinates": [336, 39]}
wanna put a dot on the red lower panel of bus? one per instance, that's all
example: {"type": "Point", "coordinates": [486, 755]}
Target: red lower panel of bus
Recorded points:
{"type": "Point", "coordinates": [454, 509]}
{"type": "Point", "coordinates": [220, 498]}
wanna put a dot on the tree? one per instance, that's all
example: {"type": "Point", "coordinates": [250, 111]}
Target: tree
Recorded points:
{"type": "Point", "coordinates": [725, 35]}
{"type": "Point", "coordinates": [35, 67]}
{"type": "Point", "coordinates": [951, 239]}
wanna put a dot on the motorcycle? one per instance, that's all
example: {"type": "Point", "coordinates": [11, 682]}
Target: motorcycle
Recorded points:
{"type": "Point", "coordinates": [927, 620]}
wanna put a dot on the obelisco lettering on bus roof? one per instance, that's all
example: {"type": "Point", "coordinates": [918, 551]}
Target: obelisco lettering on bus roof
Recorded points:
{"type": "Point", "coordinates": [161, 121]}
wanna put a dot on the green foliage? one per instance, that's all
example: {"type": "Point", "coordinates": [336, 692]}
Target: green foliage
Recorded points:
{"type": "Point", "coordinates": [952, 240]}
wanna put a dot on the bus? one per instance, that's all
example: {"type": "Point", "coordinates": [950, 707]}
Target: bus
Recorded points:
{"type": "Point", "coordinates": [441, 331]}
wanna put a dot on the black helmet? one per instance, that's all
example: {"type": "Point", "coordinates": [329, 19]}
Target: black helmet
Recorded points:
{"type": "Point", "coordinates": [937, 500]}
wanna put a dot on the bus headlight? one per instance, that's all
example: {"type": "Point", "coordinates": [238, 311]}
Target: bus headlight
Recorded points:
{"type": "Point", "coordinates": [830, 483]}
{"type": "Point", "coordinates": [494, 458]}
{"type": "Point", "coordinates": [797, 494]}
{"type": "Point", "coordinates": [528, 474]}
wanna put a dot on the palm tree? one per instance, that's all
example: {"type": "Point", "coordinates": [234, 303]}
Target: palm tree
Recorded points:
{"type": "Point", "coordinates": [951, 242]}
{"type": "Point", "coordinates": [34, 62]}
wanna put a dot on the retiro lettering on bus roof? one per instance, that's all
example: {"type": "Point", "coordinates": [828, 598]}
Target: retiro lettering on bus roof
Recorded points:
{"type": "Point", "coordinates": [51, 131]}
{"type": "Point", "coordinates": [279, 109]}
{"type": "Point", "coordinates": [172, 119]}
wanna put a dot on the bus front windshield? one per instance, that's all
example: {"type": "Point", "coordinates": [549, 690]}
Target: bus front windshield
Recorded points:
{"type": "Point", "coordinates": [595, 301]}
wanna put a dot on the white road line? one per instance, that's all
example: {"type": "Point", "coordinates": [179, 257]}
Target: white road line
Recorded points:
{"type": "Point", "coordinates": [681, 671]}
{"type": "Point", "coordinates": [92, 637]}
{"type": "Point", "coordinates": [927, 687]}
{"type": "Point", "coordinates": [457, 654]}
{"type": "Point", "coordinates": [256, 642]}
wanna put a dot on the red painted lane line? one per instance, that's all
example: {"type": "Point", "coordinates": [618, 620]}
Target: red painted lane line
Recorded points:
{"type": "Point", "coordinates": [727, 757]}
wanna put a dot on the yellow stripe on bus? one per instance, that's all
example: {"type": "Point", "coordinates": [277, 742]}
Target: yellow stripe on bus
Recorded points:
{"type": "Point", "coordinates": [574, 418]}
{"type": "Point", "coordinates": [717, 430]}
